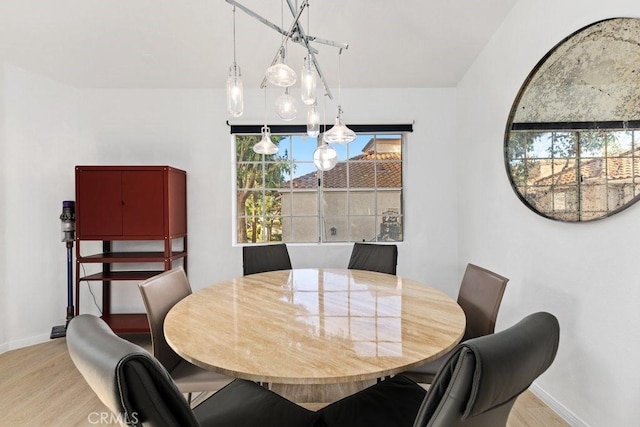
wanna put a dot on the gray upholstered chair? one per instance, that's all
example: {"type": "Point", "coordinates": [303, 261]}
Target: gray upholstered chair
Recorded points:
{"type": "Point", "coordinates": [374, 257]}
{"type": "Point", "coordinates": [160, 293]}
{"type": "Point", "coordinates": [476, 387]}
{"type": "Point", "coordinates": [140, 392]}
{"type": "Point", "coordinates": [262, 258]}
{"type": "Point", "coordinates": [480, 296]}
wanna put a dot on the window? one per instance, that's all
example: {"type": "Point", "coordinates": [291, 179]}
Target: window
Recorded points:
{"type": "Point", "coordinates": [283, 197]}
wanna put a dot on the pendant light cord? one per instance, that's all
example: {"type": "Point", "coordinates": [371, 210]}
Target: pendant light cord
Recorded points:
{"type": "Point", "coordinates": [234, 35]}
{"type": "Point", "coordinates": [339, 76]}
{"type": "Point", "coordinates": [265, 106]}
{"type": "Point", "coordinates": [340, 83]}
{"type": "Point", "coordinates": [283, 46]}
{"type": "Point", "coordinates": [324, 115]}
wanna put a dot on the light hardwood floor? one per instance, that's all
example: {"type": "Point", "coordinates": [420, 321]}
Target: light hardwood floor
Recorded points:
{"type": "Point", "coordinates": [39, 386]}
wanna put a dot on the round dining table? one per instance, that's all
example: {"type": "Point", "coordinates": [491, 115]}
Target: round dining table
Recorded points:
{"type": "Point", "coordinates": [314, 327]}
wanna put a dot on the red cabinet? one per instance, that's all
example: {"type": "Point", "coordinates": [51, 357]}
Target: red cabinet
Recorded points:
{"type": "Point", "coordinates": [129, 203]}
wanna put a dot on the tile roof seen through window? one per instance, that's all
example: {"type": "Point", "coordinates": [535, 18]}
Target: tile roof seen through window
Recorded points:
{"type": "Point", "coordinates": [595, 169]}
{"type": "Point", "coordinates": [367, 170]}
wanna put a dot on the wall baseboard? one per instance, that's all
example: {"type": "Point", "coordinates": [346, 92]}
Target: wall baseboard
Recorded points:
{"type": "Point", "coordinates": [562, 411]}
{"type": "Point", "coordinates": [25, 342]}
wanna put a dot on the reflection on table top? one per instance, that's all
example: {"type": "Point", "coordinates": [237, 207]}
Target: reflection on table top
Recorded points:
{"type": "Point", "coordinates": [314, 326]}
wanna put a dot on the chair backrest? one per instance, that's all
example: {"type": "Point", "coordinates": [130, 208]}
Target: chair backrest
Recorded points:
{"type": "Point", "coordinates": [262, 258]}
{"type": "Point", "coordinates": [480, 295]}
{"type": "Point", "coordinates": [159, 294]}
{"type": "Point", "coordinates": [126, 378]}
{"type": "Point", "coordinates": [479, 383]}
{"type": "Point", "coordinates": [374, 257]}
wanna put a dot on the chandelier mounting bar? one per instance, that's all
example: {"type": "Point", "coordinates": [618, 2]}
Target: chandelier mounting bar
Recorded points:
{"type": "Point", "coordinates": [305, 41]}
{"type": "Point", "coordinates": [296, 34]}
{"type": "Point", "coordinates": [252, 14]}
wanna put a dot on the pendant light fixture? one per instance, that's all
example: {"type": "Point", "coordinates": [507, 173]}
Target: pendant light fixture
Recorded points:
{"type": "Point", "coordinates": [339, 133]}
{"type": "Point", "coordinates": [286, 106]}
{"type": "Point", "coordinates": [308, 82]}
{"type": "Point", "coordinates": [266, 145]}
{"type": "Point", "coordinates": [235, 96]}
{"type": "Point", "coordinates": [308, 77]}
{"type": "Point", "coordinates": [313, 121]}
{"type": "Point", "coordinates": [280, 74]}
{"type": "Point", "coordinates": [324, 157]}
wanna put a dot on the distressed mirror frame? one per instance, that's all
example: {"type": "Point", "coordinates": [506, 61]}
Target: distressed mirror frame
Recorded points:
{"type": "Point", "coordinates": [572, 140]}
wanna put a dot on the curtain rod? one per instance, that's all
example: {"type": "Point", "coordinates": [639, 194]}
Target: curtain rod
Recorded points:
{"type": "Point", "coordinates": [595, 125]}
{"type": "Point", "coordinates": [283, 129]}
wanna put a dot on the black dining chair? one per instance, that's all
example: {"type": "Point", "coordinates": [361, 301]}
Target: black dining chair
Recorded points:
{"type": "Point", "coordinates": [263, 258]}
{"type": "Point", "coordinates": [374, 257]}
{"type": "Point", "coordinates": [476, 387]}
{"type": "Point", "coordinates": [140, 392]}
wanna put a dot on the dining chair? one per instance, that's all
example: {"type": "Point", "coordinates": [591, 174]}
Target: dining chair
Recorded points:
{"type": "Point", "coordinates": [263, 258]}
{"type": "Point", "coordinates": [159, 294]}
{"type": "Point", "coordinates": [477, 386]}
{"type": "Point", "coordinates": [479, 296]}
{"type": "Point", "coordinates": [374, 257]}
{"type": "Point", "coordinates": [140, 392]}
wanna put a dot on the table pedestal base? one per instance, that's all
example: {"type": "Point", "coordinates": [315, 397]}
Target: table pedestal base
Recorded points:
{"type": "Point", "coordinates": [316, 396]}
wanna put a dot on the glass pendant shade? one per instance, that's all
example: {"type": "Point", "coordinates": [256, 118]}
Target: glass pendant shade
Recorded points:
{"type": "Point", "coordinates": [308, 82]}
{"type": "Point", "coordinates": [265, 146]}
{"type": "Point", "coordinates": [313, 121]}
{"type": "Point", "coordinates": [235, 96]}
{"type": "Point", "coordinates": [286, 107]}
{"type": "Point", "coordinates": [280, 74]}
{"type": "Point", "coordinates": [339, 133]}
{"type": "Point", "coordinates": [325, 158]}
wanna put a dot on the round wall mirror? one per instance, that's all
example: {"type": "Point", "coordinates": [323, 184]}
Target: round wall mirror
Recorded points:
{"type": "Point", "coordinates": [572, 143]}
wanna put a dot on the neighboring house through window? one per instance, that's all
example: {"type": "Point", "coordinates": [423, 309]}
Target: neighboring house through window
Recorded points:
{"type": "Point", "coordinates": [575, 175]}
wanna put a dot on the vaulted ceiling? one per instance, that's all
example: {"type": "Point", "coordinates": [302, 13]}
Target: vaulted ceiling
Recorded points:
{"type": "Point", "coordinates": [188, 43]}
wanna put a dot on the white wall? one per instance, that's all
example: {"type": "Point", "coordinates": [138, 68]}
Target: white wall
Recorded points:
{"type": "Point", "coordinates": [41, 141]}
{"type": "Point", "coordinates": [188, 129]}
{"type": "Point", "coordinates": [583, 273]}
{"type": "Point", "coordinates": [3, 283]}
{"type": "Point", "coordinates": [52, 128]}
